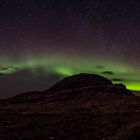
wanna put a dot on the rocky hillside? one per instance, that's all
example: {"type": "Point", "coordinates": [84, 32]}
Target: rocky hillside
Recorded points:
{"type": "Point", "coordinates": [79, 107]}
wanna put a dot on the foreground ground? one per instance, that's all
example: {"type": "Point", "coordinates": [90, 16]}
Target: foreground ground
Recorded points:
{"type": "Point", "coordinates": [81, 107]}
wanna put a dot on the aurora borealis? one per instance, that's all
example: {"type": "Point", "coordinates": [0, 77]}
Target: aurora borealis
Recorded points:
{"type": "Point", "coordinates": [64, 66]}
{"type": "Point", "coordinates": [44, 41]}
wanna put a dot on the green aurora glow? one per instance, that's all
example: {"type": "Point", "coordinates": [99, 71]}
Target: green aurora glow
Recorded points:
{"type": "Point", "coordinates": [66, 66]}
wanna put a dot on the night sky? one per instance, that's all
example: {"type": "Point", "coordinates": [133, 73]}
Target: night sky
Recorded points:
{"type": "Point", "coordinates": [42, 41]}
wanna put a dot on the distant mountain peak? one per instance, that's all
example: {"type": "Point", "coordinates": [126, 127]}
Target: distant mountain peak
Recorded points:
{"type": "Point", "coordinates": [80, 81]}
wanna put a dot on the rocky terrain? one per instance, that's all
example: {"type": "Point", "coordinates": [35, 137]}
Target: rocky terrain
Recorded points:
{"type": "Point", "coordinates": [79, 107]}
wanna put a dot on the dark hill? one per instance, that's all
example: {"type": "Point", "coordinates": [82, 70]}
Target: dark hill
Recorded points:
{"type": "Point", "coordinates": [80, 107]}
{"type": "Point", "coordinates": [80, 81]}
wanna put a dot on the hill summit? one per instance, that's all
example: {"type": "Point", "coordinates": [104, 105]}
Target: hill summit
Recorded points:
{"type": "Point", "coordinates": [81, 80]}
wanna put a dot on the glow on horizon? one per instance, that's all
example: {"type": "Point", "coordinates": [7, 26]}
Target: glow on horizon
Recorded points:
{"type": "Point", "coordinates": [70, 66]}
{"type": "Point", "coordinates": [135, 86]}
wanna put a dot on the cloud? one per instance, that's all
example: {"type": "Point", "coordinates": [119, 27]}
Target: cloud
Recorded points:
{"type": "Point", "coordinates": [8, 70]}
{"type": "Point", "coordinates": [99, 67]}
{"type": "Point", "coordinates": [117, 80]}
{"type": "Point", "coordinates": [108, 73]}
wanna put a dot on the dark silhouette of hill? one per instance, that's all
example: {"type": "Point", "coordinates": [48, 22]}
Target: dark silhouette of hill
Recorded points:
{"type": "Point", "coordinates": [83, 106]}
{"type": "Point", "coordinates": [80, 81]}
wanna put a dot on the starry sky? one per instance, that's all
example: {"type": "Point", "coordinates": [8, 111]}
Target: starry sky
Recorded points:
{"type": "Point", "coordinates": [42, 41]}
